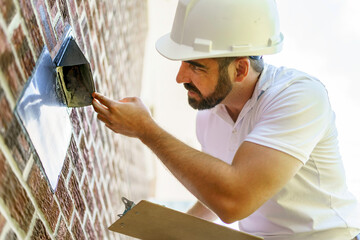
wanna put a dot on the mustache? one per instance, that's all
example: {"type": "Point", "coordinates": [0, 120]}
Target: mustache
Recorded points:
{"type": "Point", "coordinates": [191, 87]}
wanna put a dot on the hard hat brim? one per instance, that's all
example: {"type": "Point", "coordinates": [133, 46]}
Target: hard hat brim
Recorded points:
{"type": "Point", "coordinates": [175, 51]}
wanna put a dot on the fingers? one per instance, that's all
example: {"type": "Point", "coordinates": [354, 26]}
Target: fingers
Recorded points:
{"type": "Point", "coordinates": [99, 108]}
{"type": "Point", "coordinates": [102, 99]}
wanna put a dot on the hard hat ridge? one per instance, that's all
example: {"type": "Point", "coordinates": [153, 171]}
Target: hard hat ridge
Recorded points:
{"type": "Point", "coordinates": [213, 28]}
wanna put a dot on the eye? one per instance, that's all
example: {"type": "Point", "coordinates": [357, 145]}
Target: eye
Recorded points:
{"type": "Point", "coordinates": [196, 68]}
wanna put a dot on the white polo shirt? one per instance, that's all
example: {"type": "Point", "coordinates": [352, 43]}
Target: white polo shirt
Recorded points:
{"type": "Point", "coordinates": [289, 111]}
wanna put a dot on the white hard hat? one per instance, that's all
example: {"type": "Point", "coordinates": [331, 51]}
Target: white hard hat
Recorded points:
{"type": "Point", "coordinates": [222, 28]}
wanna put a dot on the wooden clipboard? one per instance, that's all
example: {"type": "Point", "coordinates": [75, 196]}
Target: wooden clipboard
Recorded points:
{"type": "Point", "coordinates": [149, 221]}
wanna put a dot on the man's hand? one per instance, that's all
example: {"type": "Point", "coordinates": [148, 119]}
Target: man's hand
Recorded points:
{"type": "Point", "coordinates": [128, 116]}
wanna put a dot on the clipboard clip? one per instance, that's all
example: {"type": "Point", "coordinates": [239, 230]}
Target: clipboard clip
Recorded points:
{"type": "Point", "coordinates": [128, 205]}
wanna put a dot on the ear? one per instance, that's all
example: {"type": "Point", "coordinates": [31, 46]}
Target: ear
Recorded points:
{"type": "Point", "coordinates": [242, 66]}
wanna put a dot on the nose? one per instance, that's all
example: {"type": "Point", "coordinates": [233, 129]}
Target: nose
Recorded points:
{"type": "Point", "coordinates": [183, 74]}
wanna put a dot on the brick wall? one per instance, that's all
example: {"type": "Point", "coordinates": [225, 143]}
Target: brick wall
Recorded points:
{"type": "Point", "coordinates": [100, 166]}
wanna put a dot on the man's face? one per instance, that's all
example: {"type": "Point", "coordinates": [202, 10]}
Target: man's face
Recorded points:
{"type": "Point", "coordinates": [196, 87]}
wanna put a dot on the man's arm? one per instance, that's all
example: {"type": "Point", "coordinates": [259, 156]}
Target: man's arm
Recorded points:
{"type": "Point", "coordinates": [234, 191]}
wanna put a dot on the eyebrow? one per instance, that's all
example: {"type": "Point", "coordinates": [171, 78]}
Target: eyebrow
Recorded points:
{"type": "Point", "coordinates": [196, 64]}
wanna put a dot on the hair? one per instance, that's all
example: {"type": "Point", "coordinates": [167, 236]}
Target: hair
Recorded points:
{"type": "Point", "coordinates": [256, 64]}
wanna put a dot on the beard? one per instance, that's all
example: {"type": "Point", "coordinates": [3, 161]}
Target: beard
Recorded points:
{"type": "Point", "coordinates": [222, 89]}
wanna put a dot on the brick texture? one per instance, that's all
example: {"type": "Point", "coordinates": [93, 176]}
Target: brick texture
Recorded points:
{"type": "Point", "coordinates": [64, 199]}
{"type": "Point", "coordinates": [62, 232]}
{"type": "Point", "coordinates": [43, 195]}
{"type": "Point", "coordinates": [95, 174]}
{"type": "Point", "coordinates": [6, 113]}
{"type": "Point", "coordinates": [77, 230]}
{"type": "Point", "coordinates": [8, 65]}
{"type": "Point", "coordinates": [14, 196]}
{"type": "Point", "coordinates": [23, 51]}
{"type": "Point", "coordinates": [39, 231]}
{"type": "Point", "coordinates": [32, 26]}
{"type": "Point", "coordinates": [7, 8]}
{"type": "Point", "coordinates": [11, 235]}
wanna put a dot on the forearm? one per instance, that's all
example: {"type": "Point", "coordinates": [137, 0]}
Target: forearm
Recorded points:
{"type": "Point", "coordinates": [211, 180]}
{"type": "Point", "coordinates": [201, 211]}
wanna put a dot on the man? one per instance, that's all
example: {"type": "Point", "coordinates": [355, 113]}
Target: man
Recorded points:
{"type": "Point", "coordinates": [269, 156]}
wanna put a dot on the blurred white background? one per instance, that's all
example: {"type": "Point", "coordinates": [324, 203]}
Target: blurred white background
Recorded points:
{"type": "Point", "coordinates": [322, 38]}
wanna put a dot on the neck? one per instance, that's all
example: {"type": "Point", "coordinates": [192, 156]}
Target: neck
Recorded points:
{"type": "Point", "coordinates": [240, 94]}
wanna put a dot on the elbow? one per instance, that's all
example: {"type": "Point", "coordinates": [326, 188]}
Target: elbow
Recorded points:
{"type": "Point", "coordinates": [230, 217]}
{"type": "Point", "coordinates": [232, 212]}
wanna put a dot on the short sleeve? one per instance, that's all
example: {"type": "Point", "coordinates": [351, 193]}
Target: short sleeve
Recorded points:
{"type": "Point", "coordinates": [294, 120]}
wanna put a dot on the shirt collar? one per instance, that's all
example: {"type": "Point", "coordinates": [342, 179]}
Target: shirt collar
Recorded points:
{"type": "Point", "coordinates": [265, 80]}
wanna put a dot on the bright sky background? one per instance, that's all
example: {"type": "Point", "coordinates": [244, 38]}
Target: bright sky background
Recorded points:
{"type": "Point", "coordinates": [322, 38]}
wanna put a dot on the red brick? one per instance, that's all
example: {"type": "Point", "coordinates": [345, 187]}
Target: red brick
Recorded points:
{"type": "Point", "coordinates": [23, 143]}
{"type": "Point", "coordinates": [15, 141]}
{"type": "Point", "coordinates": [84, 122]}
{"type": "Point", "coordinates": [93, 159]}
{"type": "Point", "coordinates": [53, 8]}
{"type": "Point", "coordinates": [74, 189]}
{"type": "Point", "coordinates": [11, 235]}
{"type": "Point", "coordinates": [88, 196]}
{"type": "Point", "coordinates": [6, 116]}
{"type": "Point", "coordinates": [8, 66]}
{"type": "Point", "coordinates": [43, 195]}
{"type": "Point", "coordinates": [39, 231]}
{"type": "Point", "coordinates": [14, 196]}
{"type": "Point", "coordinates": [62, 232]}
{"type": "Point", "coordinates": [96, 55]}
{"type": "Point", "coordinates": [89, 230]}
{"type": "Point", "coordinates": [80, 6]}
{"type": "Point", "coordinates": [79, 39]}
{"type": "Point", "coordinates": [2, 221]}
{"type": "Point", "coordinates": [85, 153]}
{"type": "Point", "coordinates": [100, 42]}
{"type": "Point", "coordinates": [94, 126]}
{"type": "Point", "coordinates": [65, 168]}
{"type": "Point", "coordinates": [75, 122]}
{"type": "Point", "coordinates": [32, 26]}
{"type": "Point", "coordinates": [73, 12]}
{"type": "Point", "coordinates": [24, 148]}
{"type": "Point", "coordinates": [88, 13]}
{"type": "Point", "coordinates": [103, 10]}
{"type": "Point", "coordinates": [51, 3]}
{"type": "Point", "coordinates": [59, 29]}
{"type": "Point", "coordinates": [90, 112]}
{"type": "Point", "coordinates": [77, 230]}
{"type": "Point", "coordinates": [64, 10]}
{"type": "Point", "coordinates": [103, 196]}
{"type": "Point", "coordinates": [8, 10]}
{"type": "Point", "coordinates": [64, 199]}
{"type": "Point", "coordinates": [73, 152]}
{"type": "Point", "coordinates": [47, 29]}
{"type": "Point", "coordinates": [86, 33]}
{"type": "Point", "coordinates": [98, 228]}
{"type": "Point", "coordinates": [97, 197]}
{"type": "Point", "coordinates": [23, 51]}
{"type": "Point", "coordinates": [21, 162]}
{"type": "Point", "coordinates": [94, 25]}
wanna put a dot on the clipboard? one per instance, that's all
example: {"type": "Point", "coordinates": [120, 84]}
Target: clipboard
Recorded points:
{"type": "Point", "coordinates": [150, 221]}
